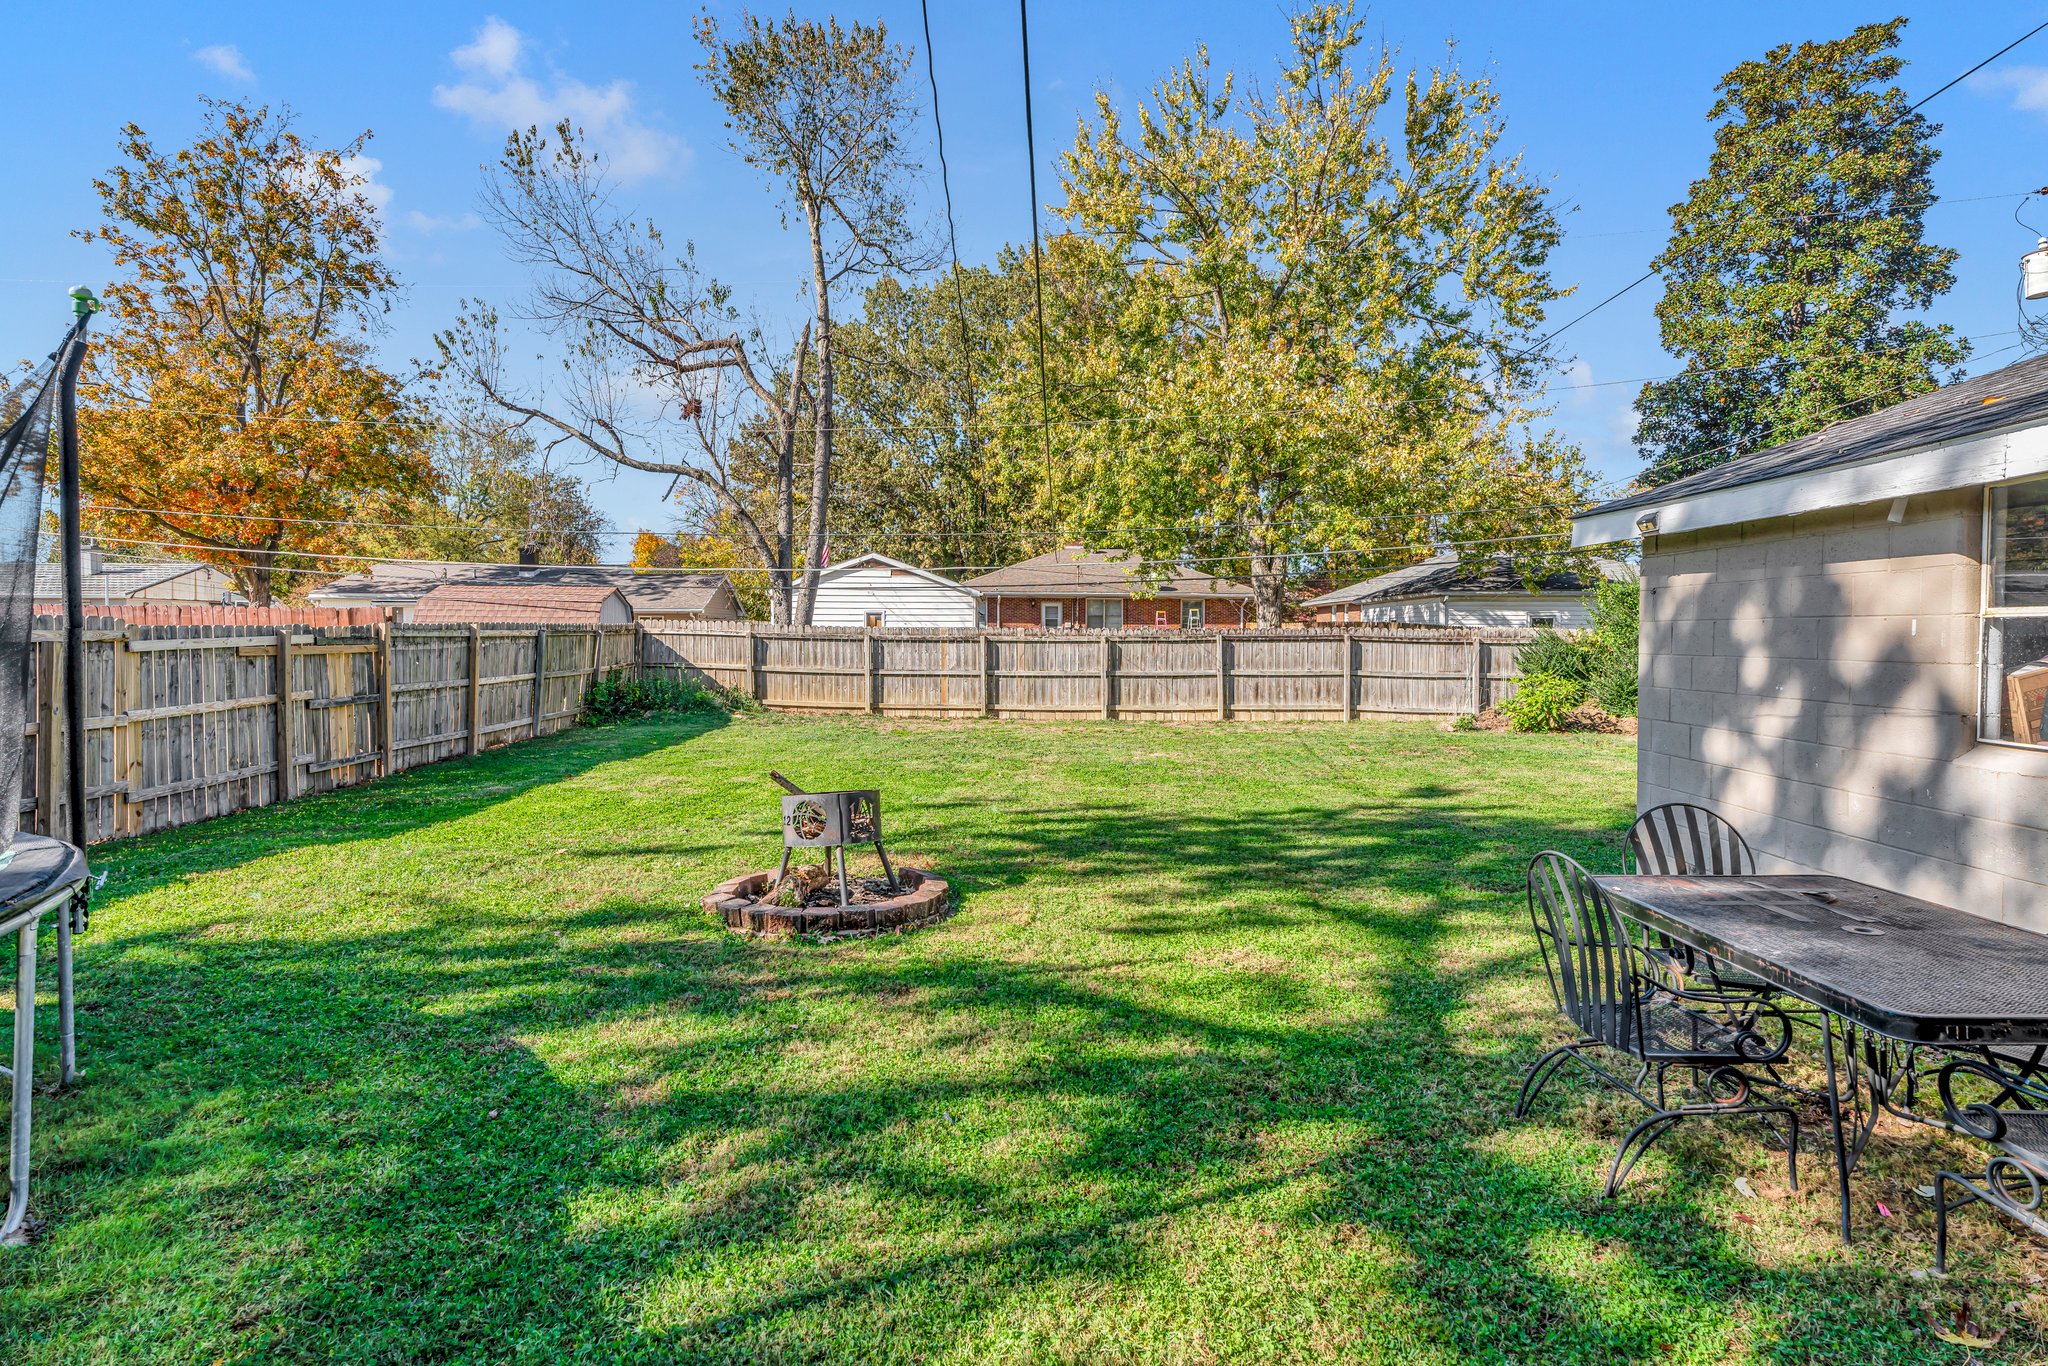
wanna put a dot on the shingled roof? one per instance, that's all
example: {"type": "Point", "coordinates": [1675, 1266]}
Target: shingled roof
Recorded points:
{"type": "Point", "coordinates": [659, 593]}
{"type": "Point", "coordinates": [1443, 576]}
{"type": "Point", "coordinates": [1073, 572]}
{"type": "Point", "coordinates": [581, 605]}
{"type": "Point", "coordinates": [114, 579]}
{"type": "Point", "coordinates": [2014, 396]}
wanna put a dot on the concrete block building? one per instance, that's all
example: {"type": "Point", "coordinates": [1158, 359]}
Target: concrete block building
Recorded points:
{"type": "Point", "coordinates": [1845, 645]}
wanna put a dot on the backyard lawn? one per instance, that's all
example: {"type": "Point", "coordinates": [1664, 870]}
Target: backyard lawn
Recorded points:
{"type": "Point", "coordinates": [1215, 1063]}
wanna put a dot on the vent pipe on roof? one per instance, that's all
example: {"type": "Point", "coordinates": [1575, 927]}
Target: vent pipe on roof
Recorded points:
{"type": "Point", "coordinates": [529, 554]}
{"type": "Point", "coordinates": [90, 561]}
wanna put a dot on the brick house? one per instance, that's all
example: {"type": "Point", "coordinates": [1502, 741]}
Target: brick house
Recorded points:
{"type": "Point", "coordinates": [1073, 589]}
{"type": "Point", "coordinates": [1845, 645]}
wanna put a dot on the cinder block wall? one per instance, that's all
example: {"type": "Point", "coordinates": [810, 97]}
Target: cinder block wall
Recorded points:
{"type": "Point", "coordinates": [1814, 678]}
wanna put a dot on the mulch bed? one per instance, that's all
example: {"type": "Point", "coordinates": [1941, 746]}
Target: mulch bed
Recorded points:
{"type": "Point", "coordinates": [1587, 716]}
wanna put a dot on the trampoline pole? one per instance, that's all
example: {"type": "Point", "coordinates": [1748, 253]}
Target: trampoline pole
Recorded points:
{"type": "Point", "coordinates": [74, 669]}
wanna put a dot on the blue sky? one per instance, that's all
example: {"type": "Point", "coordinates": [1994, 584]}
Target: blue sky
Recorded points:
{"type": "Point", "coordinates": [1606, 101]}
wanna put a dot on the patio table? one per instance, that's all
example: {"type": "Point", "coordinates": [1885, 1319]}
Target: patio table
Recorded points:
{"type": "Point", "coordinates": [1903, 972]}
{"type": "Point", "coordinates": [44, 876]}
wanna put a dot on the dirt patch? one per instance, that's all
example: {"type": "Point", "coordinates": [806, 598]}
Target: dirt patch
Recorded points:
{"type": "Point", "coordinates": [1587, 716]}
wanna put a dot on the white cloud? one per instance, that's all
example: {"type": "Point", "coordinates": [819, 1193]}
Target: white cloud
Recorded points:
{"type": "Point", "coordinates": [2026, 86]}
{"type": "Point", "coordinates": [365, 169]}
{"type": "Point", "coordinates": [224, 59]}
{"type": "Point", "coordinates": [432, 223]}
{"type": "Point", "coordinates": [500, 94]}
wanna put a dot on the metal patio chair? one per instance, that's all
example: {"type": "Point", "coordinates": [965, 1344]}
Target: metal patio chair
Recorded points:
{"type": "Point", "coordinates": [1997, 1100]}
{"type": "Point", "coordinates": [1673, 840]}
{"type": "Point", "coordinates": [1603, 984]}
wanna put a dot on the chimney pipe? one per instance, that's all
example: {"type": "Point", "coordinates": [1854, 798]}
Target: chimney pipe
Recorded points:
{"type": "Point", "coordinates": [529, 554]}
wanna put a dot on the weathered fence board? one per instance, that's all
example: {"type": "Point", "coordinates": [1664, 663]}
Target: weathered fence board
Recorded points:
{"type": "Point", "coordinates": [1312, 675]}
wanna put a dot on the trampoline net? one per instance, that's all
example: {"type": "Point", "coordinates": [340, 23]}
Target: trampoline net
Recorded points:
{"type": "Point", "coordinates": [29, 411]}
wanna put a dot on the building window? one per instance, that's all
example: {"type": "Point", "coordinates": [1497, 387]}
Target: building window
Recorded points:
{"type": "Point", "coordinates": [981, 611]}
{"type": "Point", "coordinates": [875, 618]}
{"type": "Point", "coordinates": [1191, 616]}
{"type": "Point", "coordinates": [1049, 615]}
{"type": "Point", "coordinates": [2016, 613]}
{"type": "Point", "coordinates": [1105, 614]}
{"type": "Point", "coordinates": [1544, 619]}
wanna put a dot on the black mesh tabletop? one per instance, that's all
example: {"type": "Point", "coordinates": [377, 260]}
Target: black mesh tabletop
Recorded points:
{"type": "Point", "coordinates": [40, 865]}
{"type": "Point", "coordinates": [1904, 967]}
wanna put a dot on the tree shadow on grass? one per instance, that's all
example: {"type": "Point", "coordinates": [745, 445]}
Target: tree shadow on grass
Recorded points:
{"type": "Point", "coordinates": [704, 1149]}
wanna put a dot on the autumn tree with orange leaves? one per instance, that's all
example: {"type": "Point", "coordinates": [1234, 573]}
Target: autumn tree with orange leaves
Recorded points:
{"type": "Point", "coordinates": [232, 410]}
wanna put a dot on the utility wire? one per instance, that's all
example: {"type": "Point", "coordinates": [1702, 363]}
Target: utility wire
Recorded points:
{"type": "Point", "coordinates": [1893, 123]}
{"type": "Point", "coordinates": [946, 188]}
{"type": "Point", "coordinates": [1037, 267]}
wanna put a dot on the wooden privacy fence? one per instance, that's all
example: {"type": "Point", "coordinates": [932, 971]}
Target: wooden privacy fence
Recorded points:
{"type": "Point", "coordinates": [1319, 675]}
{"type": "Point", "coordinates": [185, 722]}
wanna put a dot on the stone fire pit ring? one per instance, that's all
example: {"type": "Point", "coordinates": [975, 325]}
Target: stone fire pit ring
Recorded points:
{"type": "Point", "coordinates": [736, 902]}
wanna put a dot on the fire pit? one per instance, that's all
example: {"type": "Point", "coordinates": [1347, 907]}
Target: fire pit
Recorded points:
{"type": "Point", "coordinates": [803, 901]}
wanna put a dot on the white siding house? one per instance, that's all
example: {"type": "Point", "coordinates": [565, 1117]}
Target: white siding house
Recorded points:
{"type": "Point", "coordinates": [874, 590]}
{"type": "Point", "coordinates": [1440, 591]}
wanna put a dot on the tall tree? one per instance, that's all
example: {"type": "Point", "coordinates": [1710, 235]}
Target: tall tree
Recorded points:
{"type": "Point", "coordinates": [824, 112]}
{"type": "Point", "coordinates": [232, 406]}
{"type": "Point", "coordinates": [1282, 326]}
{"type": "Point", "coordinates": [494, 501]}
{"type": "Point", "coordinates": [1792, 260]}
{"type": "Point", "coordinates": [660, 371]}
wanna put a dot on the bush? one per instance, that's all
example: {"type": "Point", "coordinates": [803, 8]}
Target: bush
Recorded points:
{"type": "Point", "coordinates": [1541, 701]}
{"type": "Point", "coordinates": [1615, 689]}
{"type": "Point", "coordinates": [1611, 642]}
{"type": "Point", "coordinates": [619, 695]}
{"type": "Point", "coordinates": [1556, 655]}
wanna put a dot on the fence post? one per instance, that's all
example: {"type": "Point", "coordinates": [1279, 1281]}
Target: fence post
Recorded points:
{"type": "Point", "coordinates": [867, 655]}
{"type": "Point", "coordinates": [753, 664]}
{"type": "Point", "coordinates": [1350, 676]}
{"type": "Point", "coordinates": [1478, 673]}
{"type": "Point", "coordinates": [1107, 679]}
{"type": "Point", "coordinates": [287, 741]}
{"type": "Point", "coordinates": [128, 757]}
{"type": "Point", "coordinates": [988, 673]}
{"type": "Point", "coordinates": [386, 710]}
{"type": "Point", "coordinates": [476, 691]}
{"type": "Point", "coordinates": [1222, 677]}
{"type": "Point", "coordinates": [540, 677]}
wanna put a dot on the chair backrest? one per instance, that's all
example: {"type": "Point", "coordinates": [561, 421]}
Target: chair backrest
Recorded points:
{"type": "Point", "coordinates": [1587, 951]}
{"type": "Point", "coordinates": [1678, 838]}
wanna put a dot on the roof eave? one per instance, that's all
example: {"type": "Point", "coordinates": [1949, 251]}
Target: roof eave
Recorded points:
{"type": "Point", "coordinates": [1988, 459]}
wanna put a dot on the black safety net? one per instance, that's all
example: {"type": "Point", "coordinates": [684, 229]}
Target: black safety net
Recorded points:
{"type": "Point", "coordinates": [30, 410]}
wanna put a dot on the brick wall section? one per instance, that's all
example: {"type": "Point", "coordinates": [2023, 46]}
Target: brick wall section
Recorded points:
{"type": "Point", "coordinates": [1139, 613]}
{"type": "Point", "coordinates": [1814, 679]}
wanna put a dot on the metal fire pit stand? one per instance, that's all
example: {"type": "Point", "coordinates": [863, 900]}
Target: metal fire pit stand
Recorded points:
{"type": "Point", "coordinates": [831, 821]}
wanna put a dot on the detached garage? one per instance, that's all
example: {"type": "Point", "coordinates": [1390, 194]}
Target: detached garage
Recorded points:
{"type": "Point", "coordinates": [874, 590]}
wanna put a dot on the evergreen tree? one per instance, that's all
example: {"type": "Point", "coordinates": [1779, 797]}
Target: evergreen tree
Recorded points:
{"type": "Point", "coordinates": [1792, 260]}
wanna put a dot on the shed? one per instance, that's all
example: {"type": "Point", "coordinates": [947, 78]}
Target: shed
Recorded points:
{"type": "Point", "coordinates": [1845, 645]}
{"type": "Point", "coordinates": [568, 604]}
{"type": "Point", "coordinates": [874, 590]}
{"type": "Point", "coordinates": [117, 583]}
{"type": "Point", "coordinates": [1441, 591]}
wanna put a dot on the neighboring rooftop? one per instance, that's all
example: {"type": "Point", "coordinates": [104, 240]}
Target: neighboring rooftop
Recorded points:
{"type": "Point", "coordinates": [2014, 396]}
{"type": "Point", "coordinates": [577, 604]}
{"type": "Point", "coordinates": [1443, 576]}
{"type": "Point", "coordinates": [114, 579]}
{"type": "Point", "coordinates": [650, 592]}
{"type": "Point", "coordinates": [1073, 572]}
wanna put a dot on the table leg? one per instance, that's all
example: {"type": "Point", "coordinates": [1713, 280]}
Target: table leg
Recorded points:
{"type": "Point", "coordinates": [21, 1086]}
{"type": "Point", "coordinates": [1827, 1035]}
{"type": "Point", "coordinates": [67, 1019]}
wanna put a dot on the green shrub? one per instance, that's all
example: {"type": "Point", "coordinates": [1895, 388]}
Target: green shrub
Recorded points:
{"type": "Point", "coordinates": [619, 695]}
{"type": "Point", "coordinates": [1615, 689]}
{"type": "Point", "coordinates": [1541, 701]}
{"type": "Point", "coordinates": [1557, 655]}
{"type": "Point", "coordinates": [1611, 642]}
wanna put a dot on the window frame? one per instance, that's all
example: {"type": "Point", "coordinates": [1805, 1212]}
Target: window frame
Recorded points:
{"type": "Point", "coordinates": [1091, 608]}
{"type": "Point", "coordinates": [1057, 611]}
{"type": "Point", "coordinates": [876, 621]}
{"type": "Point", "coordinates": [1987, 613]}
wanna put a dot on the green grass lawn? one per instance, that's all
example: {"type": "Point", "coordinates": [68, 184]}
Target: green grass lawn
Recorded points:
{"type": "Point", "coordinates": [1215, 1063]}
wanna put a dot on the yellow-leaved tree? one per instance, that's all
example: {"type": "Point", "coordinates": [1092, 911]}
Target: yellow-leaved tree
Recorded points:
{"type": "Point", "coordinates": [232, 407]}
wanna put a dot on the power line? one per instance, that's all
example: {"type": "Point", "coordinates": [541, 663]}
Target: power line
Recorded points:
{"type": "Point", "coordinates": [1037, 267]}
{"type": "Point", "coordinates": [1886, 128]}
{"type": "Point", "coordinates": [946, 188]}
